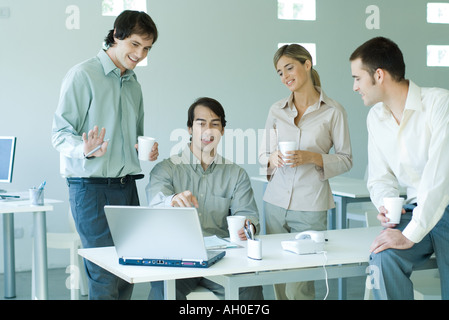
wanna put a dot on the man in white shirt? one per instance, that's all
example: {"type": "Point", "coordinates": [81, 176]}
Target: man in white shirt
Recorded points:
{"type": "Point", "coordinates": [408, 146]}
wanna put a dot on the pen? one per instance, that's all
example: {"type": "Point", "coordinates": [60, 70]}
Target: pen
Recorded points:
{"type": "Point", "coordinates": [246, 233]}
{"type": "Point", "coordinates": [94, 150]}
{"type": "Point", "coordinates": [41, 187]}
{"type": "Point", "coordinates": [248, 230]}
{"type": "Point", "coordinates": [4, 196]}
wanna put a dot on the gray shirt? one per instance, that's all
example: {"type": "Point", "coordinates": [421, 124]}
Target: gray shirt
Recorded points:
{"type": "Point", "coordinates": [222, 189]}
{"type": "Point", "coordinates": [94, 93]}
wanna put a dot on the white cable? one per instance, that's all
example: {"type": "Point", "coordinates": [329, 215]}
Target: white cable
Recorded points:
{"type": "Point", "coordinates": [325, 273]}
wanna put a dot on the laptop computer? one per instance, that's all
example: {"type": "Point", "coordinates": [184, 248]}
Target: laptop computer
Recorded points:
{"type": "Point", "coordinates": [168, 237]}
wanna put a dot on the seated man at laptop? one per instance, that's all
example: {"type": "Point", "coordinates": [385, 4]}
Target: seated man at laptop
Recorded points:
{"type": "Point", "coordinates": [200, 177]}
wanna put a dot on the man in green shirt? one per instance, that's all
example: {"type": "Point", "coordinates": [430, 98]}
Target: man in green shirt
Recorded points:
{"type": "Point", "coordinates": [200, 177]}
{"type": "Point", "coordinates": [103, 92]}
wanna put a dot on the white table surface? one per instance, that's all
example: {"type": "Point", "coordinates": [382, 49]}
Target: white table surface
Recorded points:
{"type": "Point", "coordinates": [22, 206]}
{"type": "Point", "coordinates": [349, 187]}
{"type": "Point", "coordinates": [345, 247]}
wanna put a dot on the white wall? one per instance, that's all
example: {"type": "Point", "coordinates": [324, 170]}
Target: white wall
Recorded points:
{"type": "Point", "coordinates": [221, 49]}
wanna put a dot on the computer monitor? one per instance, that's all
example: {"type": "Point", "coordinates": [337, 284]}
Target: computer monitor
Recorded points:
{"type": "Point", "coordinates": [7, 152]}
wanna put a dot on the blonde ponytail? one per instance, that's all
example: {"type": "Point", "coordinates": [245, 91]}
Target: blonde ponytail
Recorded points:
{"type": "Point", "coordinates": [316, 78]}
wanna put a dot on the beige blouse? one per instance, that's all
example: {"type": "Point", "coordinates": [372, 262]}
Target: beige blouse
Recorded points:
{"type": "Point", "coordinates": [323, 126]}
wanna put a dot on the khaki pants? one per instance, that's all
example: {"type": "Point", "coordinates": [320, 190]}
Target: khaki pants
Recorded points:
{"type": "Point", "coordinates": [280, 220]}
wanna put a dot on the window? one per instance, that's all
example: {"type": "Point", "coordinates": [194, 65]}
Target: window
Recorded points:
{"type": "Point", "coordinates": [437, 56]}
{"type": "Point", "coordinates": [297, 9]}
{"type": "Point", "coordinates": [115, 7]}
{"type": "Point", "coordinates": [143, 63]}
{"type": "Point", "coordinates": [437, 12]}
{"type": "Point", "coordinates": [311, 47]}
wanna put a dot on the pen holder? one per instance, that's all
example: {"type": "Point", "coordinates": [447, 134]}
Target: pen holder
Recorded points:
{"type": "Point", "coordinates": [254, 249]}
{"type": "Point", "coordinates": [37, 197]}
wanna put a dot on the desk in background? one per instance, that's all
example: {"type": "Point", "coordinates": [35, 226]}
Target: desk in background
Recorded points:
{"type": "Point", "coordinates": [346, 190]}
{"type": "Point", "coordinates": [349, 190]}
{"type": "Point", "coordinates": [39, 261]}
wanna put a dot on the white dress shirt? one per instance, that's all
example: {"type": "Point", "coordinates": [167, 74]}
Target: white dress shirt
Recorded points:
{"type": "Point", "coordinates": [414, 154]}
{"type": "Point", "coordinates": [323, 126]}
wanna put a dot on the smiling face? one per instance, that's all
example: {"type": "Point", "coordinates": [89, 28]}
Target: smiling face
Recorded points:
{"type": "Point", "coordinates": [127, 53]}
{"type": "Point", "coordinates": [365, 84]}
{"type": "Point", "coordinates": [293, 73]}
{"type": "Point", "coordinates": [206, 131]}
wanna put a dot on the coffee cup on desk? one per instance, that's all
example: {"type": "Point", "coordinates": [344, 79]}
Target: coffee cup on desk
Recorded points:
{"type": "Point", "coordinates": [285, 146]}
{"type": "Point", "coordinates": [145, 146]}
{"type": "Point", "coordinates": [394, 209]}
{"type": "Point", "coordinates": [235, 224]}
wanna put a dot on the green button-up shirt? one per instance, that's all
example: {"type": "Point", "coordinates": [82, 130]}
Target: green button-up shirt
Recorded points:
{"type": "Point", "coordinates": [222, 189]}
{"type": "Point", "coordinates": [94, 93]}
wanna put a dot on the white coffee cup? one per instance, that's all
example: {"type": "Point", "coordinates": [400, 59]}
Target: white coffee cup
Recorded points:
{"type": "Point", "coordinates": [235, 223]}
{"type": "Point", "coordinates": [394, 208]}
{"type": "Point", "coordinates": [145, 146]}
{"type": "Point", "coordinates": [254, 249]}
{"type": "Point", "coordinates": [285, 146]}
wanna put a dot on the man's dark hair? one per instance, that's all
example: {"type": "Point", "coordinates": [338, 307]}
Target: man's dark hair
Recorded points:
{"type": "Point", "coordinates": [131, 22]}
{"type": "Point", "coordinates": [381, 53]}
{"type": "Point", "coordinates": [210, 103]}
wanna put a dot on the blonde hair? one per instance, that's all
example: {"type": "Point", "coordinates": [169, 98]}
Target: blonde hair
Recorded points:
{"type": "Point", "coordinates": [297, 52]}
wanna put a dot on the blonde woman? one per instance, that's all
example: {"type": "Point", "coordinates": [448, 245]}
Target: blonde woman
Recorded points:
{"type": "Point", "coordinates": [298, 194]}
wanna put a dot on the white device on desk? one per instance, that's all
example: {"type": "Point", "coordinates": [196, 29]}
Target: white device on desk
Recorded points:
{"type": "Point", "coordinates": [307, 242]}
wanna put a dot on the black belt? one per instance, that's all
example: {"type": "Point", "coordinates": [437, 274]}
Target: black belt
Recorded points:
{"type": "Point", "coordinates": [122, 180]}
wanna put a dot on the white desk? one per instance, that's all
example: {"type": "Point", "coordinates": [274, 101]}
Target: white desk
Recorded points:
{"type": "Point", "coordinates": [347, 256]}
{"type": "Point", "coordinates": [346, 190]}
{"type": "Point", "coordinates": [8, 208]}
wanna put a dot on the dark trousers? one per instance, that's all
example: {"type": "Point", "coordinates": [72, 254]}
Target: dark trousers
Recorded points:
{"type": "Point", "coordinates": [87, 201]}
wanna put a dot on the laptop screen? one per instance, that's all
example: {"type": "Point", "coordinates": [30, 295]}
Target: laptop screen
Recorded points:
{"type": "Point", "coordinates": [156, 233]}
